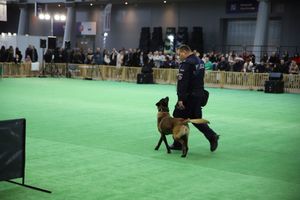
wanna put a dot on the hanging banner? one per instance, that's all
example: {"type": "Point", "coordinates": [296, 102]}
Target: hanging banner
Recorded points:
{"type": "Point", "coordinates": [38, 8]}
{"type": "Point", "coordinates": [59, 28]}
{"type": "Point", "coordinates": [107, 17]}
{"type": "Point", "coordinates": [86, 28]}
{"type": "Point", "coordinates": [3, 11]}
{"type": "Point", "coordinates": [241, 6]}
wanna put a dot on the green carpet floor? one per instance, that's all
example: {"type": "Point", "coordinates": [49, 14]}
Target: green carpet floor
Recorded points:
{"type": "Point", "coordinates": [95, 140]}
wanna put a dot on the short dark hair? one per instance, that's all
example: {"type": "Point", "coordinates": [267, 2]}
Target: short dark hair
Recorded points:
{"type": "Point", "coordinates": [184, 47]}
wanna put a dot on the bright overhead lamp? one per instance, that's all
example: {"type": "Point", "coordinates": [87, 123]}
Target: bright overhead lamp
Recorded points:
{"type": "Point", "coordinates": [47, 16]}
{"type": "Point", "coordinates": [63, 17]}
{"type": "Point", "coordinates": [57, 17]}
{"type": "Point", "coordinates": [41, 16]}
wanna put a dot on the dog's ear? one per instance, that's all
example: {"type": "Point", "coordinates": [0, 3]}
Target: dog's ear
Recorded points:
{"type": "Point", "coordinates": [157, 104]}
{"type": "Point", "coordinates": [167, 99]}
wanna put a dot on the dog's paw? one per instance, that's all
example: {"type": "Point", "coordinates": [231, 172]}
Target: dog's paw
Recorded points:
{"type": "Point", "coordinates": [183, 155]}
{"type": "Point", "coordinates": [169, 151]}
{"type": "Point", "coordinates": [156, 148]}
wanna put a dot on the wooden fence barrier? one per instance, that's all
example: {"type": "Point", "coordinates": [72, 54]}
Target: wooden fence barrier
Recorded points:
{"type": "Point", "coordinates": [220, 79]}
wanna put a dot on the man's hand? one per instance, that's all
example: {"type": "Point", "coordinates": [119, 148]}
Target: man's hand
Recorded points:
{"type": "Point", "coordinates": [180, 105]}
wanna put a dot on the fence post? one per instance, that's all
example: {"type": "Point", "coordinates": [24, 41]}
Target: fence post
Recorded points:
{"type": "Point", "coordinates": [222, 79]}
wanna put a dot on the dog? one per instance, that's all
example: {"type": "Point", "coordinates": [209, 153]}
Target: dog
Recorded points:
{"type": "Point", "coordinates": [178, 127]}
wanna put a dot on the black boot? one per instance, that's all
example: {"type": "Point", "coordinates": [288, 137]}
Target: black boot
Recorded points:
{"type": "Point", "coordinates": [176, 145]}
{"type": "Point", "coordinates": [214, 143]}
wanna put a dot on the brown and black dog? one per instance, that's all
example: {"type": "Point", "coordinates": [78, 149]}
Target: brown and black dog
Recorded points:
{"type": "Point", "coordinates": [178, 127]}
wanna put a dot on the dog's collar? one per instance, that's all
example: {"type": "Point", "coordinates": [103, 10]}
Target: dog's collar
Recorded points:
{"type": "Point", "coordinates": [162, 110]}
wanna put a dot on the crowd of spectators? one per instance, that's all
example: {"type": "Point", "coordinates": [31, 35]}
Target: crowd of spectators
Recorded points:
{"type": "Point", "coordinates": [216, 61]}
{"type": "Point", "coordinates": [11, 55]}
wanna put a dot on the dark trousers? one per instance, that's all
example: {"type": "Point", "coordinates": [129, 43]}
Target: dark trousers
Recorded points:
{"type": "Point", "coordinates": [193, 110]}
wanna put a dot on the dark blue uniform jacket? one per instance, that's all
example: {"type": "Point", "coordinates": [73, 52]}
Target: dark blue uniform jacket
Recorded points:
{"type": "Point", "coordinates": [190, 78]}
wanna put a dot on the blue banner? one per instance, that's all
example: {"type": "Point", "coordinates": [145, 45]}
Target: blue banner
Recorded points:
{"type": "Point", "coordinates": [241, 6]}
{"type": "Point", "coordinates": [59, 28]}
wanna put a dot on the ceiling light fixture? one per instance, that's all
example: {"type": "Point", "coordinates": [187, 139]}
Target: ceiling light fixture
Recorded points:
{"type": "Point", "coordinates": [41, 16]}
{"type": "Point", "coordinates": [47, 16]}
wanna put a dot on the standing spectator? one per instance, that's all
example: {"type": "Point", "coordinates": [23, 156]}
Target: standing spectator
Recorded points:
{"type": "Point", "coordinates": [294, 69]}
{"type": "Point", "coordinates": [89, 56]}
{"type": "Point", "coordinates": [156, 59]}
{"type": "Point", "coordinates": [283, 66]}
{"type": "Point", "coordinates": [252, 57]}
{"type": "Point", "coordinates": [248, 66]}
{"type": "Point", "coordinates": [82, 55]}
{"type": "Point", "coordinates": [223, 65]}
{"type": "Point", "coordinates": [150, 56]}
{"type": "Point", "coordinates": [113, 57]}
{"type": "Point", "coordinates": [120, 58]}
{"type": "Point", "coordinates": [167, 63]}
{"type": "Point", "coordinates": [48, 56]}
{"type": "Point", "coordinates": [239, 64]}
{"type": "Point", "coordinates": [135, 58]}
{"type": "Point", "coordinates": [280, 67]}
{"type": "Point", "coordinates": [29, 52]}
{"type": "Point", "coordinates": [18, 56]}
{"type": "Point", "coordinates": [207, 63]}
{"type": "Point", "coordinates": [77, 56]}
{"type": "Point", "coordinates": [64, 55]}
{"type": "Point", "coordinates": [162, 58]}
{"type": "Point", "coordinates": [143, 59]}
{"type": "Point", "coordinates": [274, 59]}
{"type": "Point", "coordinates": [56, 58]}
{"type": "Point", "coordinates": [107, 58]}
{"type": "Point", "coordinates": [269, 67]}
{"type": "Point", "coordinates": [285, 56]}
{"type": "Point", "coordinates": [265, 57]}
{"type": "Point", "coordinates": [128, 58]}
{"type": "Point", "coordinates": [10, 54]}
{"type": "Point", "coordinates": [174, 62]}
{"type": "Point", "coordinates": [98, 57]}
{"type": "Point", "coordinates": [34, 55]}
{"type": "Point", "coordinates": [297, 58]}
{"type": "Point", "coordinates": [261, 67]}
{"type": "Point", "coordinates": [119, 63]}
{"type": "Point", "coordinates": [2, 54]}
{"type": "Point", "coordinates": [212, 57]}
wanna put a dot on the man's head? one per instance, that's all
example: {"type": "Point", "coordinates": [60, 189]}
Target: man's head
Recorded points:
{"type": "Point", "coordinates": [184, 51]}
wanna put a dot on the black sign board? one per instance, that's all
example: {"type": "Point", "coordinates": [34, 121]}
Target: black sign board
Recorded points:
{"type": "Point", "coordinates": [12, 149]}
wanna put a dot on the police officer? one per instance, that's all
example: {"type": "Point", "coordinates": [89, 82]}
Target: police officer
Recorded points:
{"type": "Point", "coordinates": [190, 92]}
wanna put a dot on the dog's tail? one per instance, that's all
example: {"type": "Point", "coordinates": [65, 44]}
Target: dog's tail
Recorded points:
{"type": "Point", "coordinates": [196, 121]}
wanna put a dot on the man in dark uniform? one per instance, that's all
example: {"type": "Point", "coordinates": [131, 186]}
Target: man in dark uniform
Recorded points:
{"type": "Point", "coordinates": [190, 92]}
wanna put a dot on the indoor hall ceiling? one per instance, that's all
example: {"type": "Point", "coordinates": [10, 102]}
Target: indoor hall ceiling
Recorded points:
{"type": "Point", "coordinates": [100, 1]}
